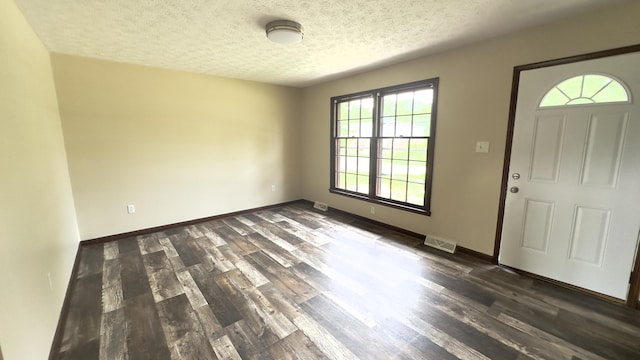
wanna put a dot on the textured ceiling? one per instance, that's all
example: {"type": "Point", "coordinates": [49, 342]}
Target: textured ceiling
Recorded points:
{"type": "Point", "coordinates": [227, 38]}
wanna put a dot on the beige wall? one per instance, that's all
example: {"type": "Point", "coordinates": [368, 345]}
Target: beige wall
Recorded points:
{"type": "Point", "coordinates": [178, 146]}
{"type": "Point", "coordinates": [183, 146]}
{"type": "Point", "coordinates": [475, 87]}
{"type": "Point", "coordinates": [38, 231]}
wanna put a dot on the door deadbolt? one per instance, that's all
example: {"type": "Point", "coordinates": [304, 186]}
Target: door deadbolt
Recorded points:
{"type": "Point", "coordinates": [515, 176]}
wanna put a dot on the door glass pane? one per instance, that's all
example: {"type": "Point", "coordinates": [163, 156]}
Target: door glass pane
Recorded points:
{"type": "Point", "coordinates": [572, 87]}
{"type": "Point", "coordinates": [554, 97]}
{"type": "Point", "coordinates": [593, 84]}
{"type": "Point", "coordinates": [614, 92]}
{"type": "Point", "coordinates": [579, 101]}
{"type": "Point", "coordinates": [585, 89]}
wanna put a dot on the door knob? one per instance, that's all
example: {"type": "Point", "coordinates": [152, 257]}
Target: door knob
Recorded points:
{"type": "Point", "coordinates": [514, 189]}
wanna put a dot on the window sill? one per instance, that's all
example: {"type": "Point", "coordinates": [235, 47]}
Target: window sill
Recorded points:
{"type": "Point", "coordinates": [380, 202]}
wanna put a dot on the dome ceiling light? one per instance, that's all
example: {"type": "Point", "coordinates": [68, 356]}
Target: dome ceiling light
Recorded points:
{"type": "Point", "coordinates": [284, 32]}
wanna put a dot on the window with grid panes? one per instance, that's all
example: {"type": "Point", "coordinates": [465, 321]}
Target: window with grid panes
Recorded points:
{"type": "Point", "coordinates": [382, 144]}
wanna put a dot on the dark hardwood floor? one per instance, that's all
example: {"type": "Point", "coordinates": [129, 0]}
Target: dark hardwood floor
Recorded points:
{"type": "Point", "coordinates": [293, 283]}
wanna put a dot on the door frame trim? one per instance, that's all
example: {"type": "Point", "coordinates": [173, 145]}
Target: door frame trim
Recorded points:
{"type": "Point", "coordinates": [634, 289]}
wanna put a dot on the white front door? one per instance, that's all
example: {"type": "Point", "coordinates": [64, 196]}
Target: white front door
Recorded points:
{"type": "Point", "coordinates": [573, 210]}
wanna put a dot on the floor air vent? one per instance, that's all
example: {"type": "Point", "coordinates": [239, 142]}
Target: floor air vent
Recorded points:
{"type": "Point", "coordinates": [440, 244]}
{"type": "Point", "coordinates": [320, 206]}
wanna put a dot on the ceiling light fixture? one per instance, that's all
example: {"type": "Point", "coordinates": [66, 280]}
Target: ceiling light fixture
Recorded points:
{"type": "Point", "coordinates": [284, 32]}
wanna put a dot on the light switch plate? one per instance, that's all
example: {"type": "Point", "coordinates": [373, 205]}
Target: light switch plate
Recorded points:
{"type": "Point", "coordinates": [482, 147]}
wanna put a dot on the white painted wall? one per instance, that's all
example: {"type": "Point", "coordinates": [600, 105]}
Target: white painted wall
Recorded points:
{"type": "Point", "coordinates": [38, 230]}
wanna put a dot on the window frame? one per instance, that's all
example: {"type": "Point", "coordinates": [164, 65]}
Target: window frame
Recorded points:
{"type": "Point", "coordinates": [377, 95]}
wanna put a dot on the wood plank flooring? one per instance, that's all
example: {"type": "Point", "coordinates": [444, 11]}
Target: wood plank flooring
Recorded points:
{"type": "Point", "coordinates": [293, 283]}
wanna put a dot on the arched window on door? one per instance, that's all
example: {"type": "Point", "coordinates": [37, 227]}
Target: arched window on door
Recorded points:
{"type": "Point", "coordinates": [586, 89]}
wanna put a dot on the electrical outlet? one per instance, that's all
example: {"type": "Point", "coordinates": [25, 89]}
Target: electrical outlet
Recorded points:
{"type": "Point", "coordinates": [273, 188]}
{"type": "Point", "coordinates": [373, 209]}
{"type": "Point", "coordinates": [50, 281]}
{"type": "Point", "coordinates": [131, 209]}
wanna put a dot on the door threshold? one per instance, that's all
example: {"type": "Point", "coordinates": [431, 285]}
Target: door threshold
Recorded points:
{"type": "Point", "coordinates": [598, 295]}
